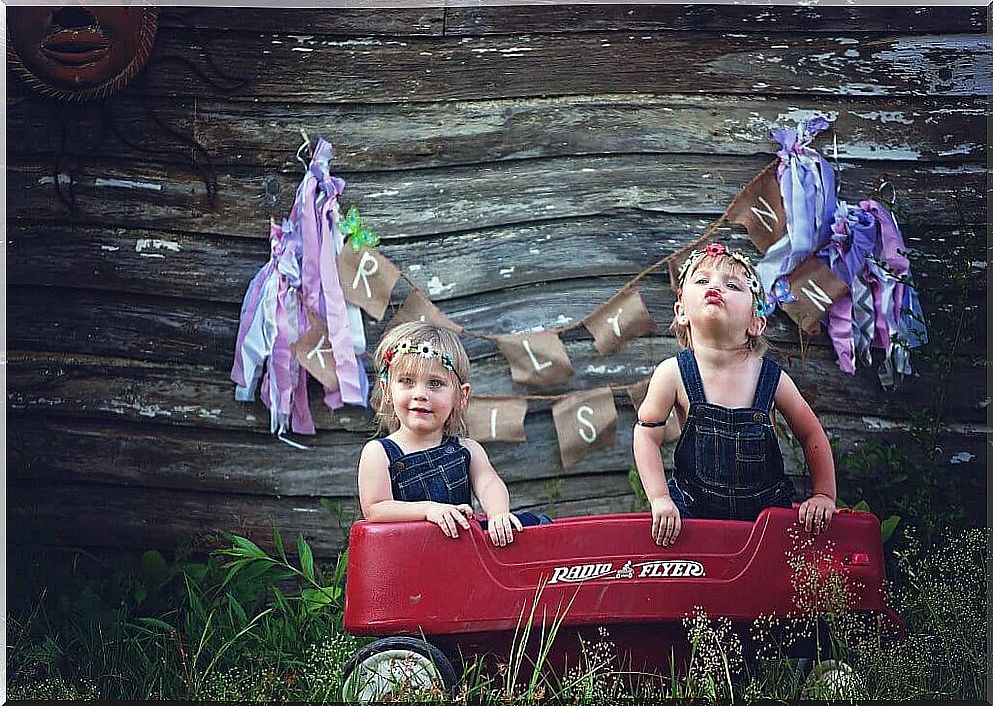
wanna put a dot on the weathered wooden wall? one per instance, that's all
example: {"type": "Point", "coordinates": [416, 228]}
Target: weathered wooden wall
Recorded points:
{"type": "Point", "coordinates": [521, 163]}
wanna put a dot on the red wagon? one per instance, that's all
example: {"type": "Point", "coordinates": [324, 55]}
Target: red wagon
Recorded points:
{"type": "Point", "coordinates": [432, 599]}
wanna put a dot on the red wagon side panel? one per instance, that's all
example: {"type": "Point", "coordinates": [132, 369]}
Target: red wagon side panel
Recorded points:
{"type": "Point", "coordinates": [409, 578]}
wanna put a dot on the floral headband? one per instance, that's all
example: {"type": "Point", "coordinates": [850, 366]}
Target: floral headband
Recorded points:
{"type": "Point", "coordinates": [425, 349]}
{"type": "Point", "coordinates": [718, 250]}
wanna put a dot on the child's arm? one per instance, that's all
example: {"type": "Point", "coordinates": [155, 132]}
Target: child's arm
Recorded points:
{"type": "Point", "coordinates": [492, 493]}
{"type": "Point", "coordinates": [815, 512]}
{"type": "Point", "coordinates": [378, 505]}
{"type": "Point", "coordinates": [659, 401]}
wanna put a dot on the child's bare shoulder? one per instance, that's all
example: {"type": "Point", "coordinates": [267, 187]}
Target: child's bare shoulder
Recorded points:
{"type": "Point", "coordinates": [475, 448]}
{"type": "Point", "coordinates": [666, 372]}
{"type": "Point", "coordinates": [372, 452]}
{"type": "Point", "coordinates": [661, 393]}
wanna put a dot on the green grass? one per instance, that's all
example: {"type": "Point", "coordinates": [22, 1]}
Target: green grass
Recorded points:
{"type": "Point", "coordinates": [244, 625]}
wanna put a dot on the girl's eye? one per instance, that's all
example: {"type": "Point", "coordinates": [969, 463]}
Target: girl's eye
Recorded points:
{"type": "Point", "coordinates": [437, 383]}
{"type": "Point", "coordinates": [406, 381]}
{"type": "Point", "coordinates": [733, 285]}
{"type": "Point", "coordinates": [701, 280]}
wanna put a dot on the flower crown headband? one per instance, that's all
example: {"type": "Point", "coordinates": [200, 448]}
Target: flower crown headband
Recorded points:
{"type": "Point", "coordinates": [718, 250]}
{"type": "Point", "coordinates": [425, 349]}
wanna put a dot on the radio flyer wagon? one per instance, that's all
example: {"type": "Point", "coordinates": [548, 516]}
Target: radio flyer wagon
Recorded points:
{"type": "Point", "coordinates": [433, 600]}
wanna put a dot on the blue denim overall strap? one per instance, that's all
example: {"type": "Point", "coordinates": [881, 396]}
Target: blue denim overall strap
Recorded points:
{"type": "Point", "coordinates": [440, 473]}
{"type": "Point", "coordinates": [728, 462]}
{"type": "Point", "coordinates": [765, 389]}
{"type": "Point", "coordinates": [690, 372]}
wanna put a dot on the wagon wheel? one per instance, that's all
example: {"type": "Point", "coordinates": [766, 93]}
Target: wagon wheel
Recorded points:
{"type": "Point", "coordinates": [833, 679]}
{"type": "Point", "coordinates": [397, 667]}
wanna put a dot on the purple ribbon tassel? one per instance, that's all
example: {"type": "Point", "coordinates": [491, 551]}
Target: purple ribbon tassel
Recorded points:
{"type": "Point", "coordinates": [867, 252]}
{"type": "Point", "coordinates": [806, 182]}
{"type": "Point", "coordinates": [301, 275]}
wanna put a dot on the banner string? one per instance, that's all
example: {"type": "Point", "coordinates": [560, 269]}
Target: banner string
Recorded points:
{"type": "Point", "coordinates": [677, 256]}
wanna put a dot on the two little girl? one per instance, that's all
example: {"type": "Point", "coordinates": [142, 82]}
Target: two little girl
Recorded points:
{"type": "Point", "coordinates": [724, 392]}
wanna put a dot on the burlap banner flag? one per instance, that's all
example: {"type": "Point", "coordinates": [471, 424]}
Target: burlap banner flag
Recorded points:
{"type": "Point", "coordinates": [417, 307]}
{"type": "Point", "coordinates": [497, 418]}
{"type": "Point", "coordinates": [623, 317]}
{"type": "Point", "coordinates": [816, 288]}
{"type": "Point", "coordinates": [537, 359]}
{"type": "Point", "coordinates": [367, 279]}
{"type": "Point", "coordinates": [759, 207]}
{"type": "Point", "coordinates": [313, 351]}
{"type": "Point", "coordinates": [584, 421]}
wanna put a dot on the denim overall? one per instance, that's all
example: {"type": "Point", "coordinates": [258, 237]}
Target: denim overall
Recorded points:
{"type": "Point", "coordinates": [440, 473]}
{"type": "Point", "coordinates": [728, 462]}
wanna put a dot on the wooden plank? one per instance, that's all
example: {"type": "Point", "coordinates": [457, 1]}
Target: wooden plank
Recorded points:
{"type": "Point", "coordinates": [402, 136]}
{"type": "Point", "coordinates": [49, 450]}
{"type": "Point", "coordinates": [115, 389]}
{"type": "Point", "coordinates": [203, 460]}
{"type": "Point", "coordinates": [198, 333]}
{"type": "Point", "coordinates": [571, 18]}
{"type": "Point", "coordinates": [431, 201]}
{"type": "Point", "coordinates": [381, 69]}
{"type": "Point", "coordinates": [170, 459]}
{"type": "Point", "coordinates": [76, 322]}
{"type": "Point", "coordinates": [137, 261]}
{"type": "Point", "coordinates": [94, 515]}
{"type": "Point", "coordinates": [397, 21]}
{"type": "Point", "coordinates": [218, 268]}
{"type": "Point", "coordinates": [46, 510]}
{"type": "Point", "coordinates": [72, 387]}
{"type": "Point", "coordinates": [208, 461]}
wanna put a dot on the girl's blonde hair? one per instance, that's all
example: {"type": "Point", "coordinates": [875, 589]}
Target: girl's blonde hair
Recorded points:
{"type": "Point", "coordinates": [723, 261]}
{"type": "Point", "coordinates": [444, 342]}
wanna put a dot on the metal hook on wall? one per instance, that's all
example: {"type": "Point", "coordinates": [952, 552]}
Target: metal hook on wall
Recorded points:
{"type": "Point", "coordinates": [305, 146]}
{"type": "Point", "coordinates": [881, 185]}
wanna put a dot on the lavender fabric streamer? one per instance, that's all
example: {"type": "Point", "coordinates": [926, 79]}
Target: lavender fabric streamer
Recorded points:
{"type": "Point", "coordinates": [806, 182]}
{"type": "Point", "coordinates": [868, 253]}
{"type": "Point", "coordinates": [300, 275]}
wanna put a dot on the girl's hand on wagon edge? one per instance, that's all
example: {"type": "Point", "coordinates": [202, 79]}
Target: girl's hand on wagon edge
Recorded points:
{"type": "Point", "coordinates": [449, 517]}
{"type": "Point", "coordinates": [815, 512]}
{"type": "Point", "coordinates": [501, 528]}
{"type": "Point", "coordinates": [666, 522]}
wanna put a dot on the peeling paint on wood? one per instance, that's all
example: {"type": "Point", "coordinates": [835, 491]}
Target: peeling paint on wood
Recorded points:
{"type": "Point", "coordinates": [143, 244]}
{"type": "Point", "coordinates": [126, 184]}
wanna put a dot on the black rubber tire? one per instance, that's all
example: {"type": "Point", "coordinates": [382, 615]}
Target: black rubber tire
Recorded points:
{"type": "Point", "coordinates": [412, 644]}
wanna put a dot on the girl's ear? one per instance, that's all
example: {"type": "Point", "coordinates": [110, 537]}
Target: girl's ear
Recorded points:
{"type": "Point", "coordinates": [466, 390]}
{"type": "Point", "coordinates": [680, 311]}
{"type": "Point", "coordinates": [757, 326]}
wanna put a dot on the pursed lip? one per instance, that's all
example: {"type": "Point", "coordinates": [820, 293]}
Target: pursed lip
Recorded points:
{"type": "Point", "coordinates": [713, 297]}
